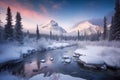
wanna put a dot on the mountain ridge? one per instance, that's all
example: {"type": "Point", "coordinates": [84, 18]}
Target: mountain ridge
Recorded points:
{"type": "Point", "coordinates": [53, 27]}
{"type": "Point", "coordinates": [86, 27]}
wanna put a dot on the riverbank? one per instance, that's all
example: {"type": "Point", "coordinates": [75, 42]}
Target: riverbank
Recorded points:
{"type": "Point", "coordinates": [99, 54]}
{"type": "Point", "coordinates": [13, 50]}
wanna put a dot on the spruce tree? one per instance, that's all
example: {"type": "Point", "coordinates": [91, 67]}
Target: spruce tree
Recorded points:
{"type": "Point", "coordinates": [37, 33]}
{"type": "Point", "coordinates": [1, 34]}
{"type": "Point", "coordinates": [105, 29]}
{"type": "Point", "coordinates": [78, 35]}
{"type": "Point", "coordinates": [111, 36]}
{"type": "Point", "coordinates": [115, 24]}
{"type": "Point", "coordinates": [28, 34]}
{"type": "Point", "coordinates": [18, 28]}
{"type": "Point", "coordinates": [116, 31]}
{"type": "Point", "coordinates": [8, 30]}
{"type": "Point", "coordinates": [50, 34]}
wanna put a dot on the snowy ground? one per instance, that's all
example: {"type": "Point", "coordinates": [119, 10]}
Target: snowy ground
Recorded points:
{"type": "Point", "coordinates": [57, 76]}
{"type": "Point", "coordinates": [12, 51]}
{"type": "Point", "coordinates": [99, 54]}
{"type": "Point", "coordinates": [91, 54]}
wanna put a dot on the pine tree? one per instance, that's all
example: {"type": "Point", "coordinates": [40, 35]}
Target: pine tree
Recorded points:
{"type": "Point", "coordinates": [18, 28]}
{"type": "Point", "coordinates": [78, 35]}
{"type": "Point", "coordinates": [115, 24]}
{"type": "Point", "coordinates": [111, 36]}
{"type": "Point", "coordinates": [50, 34]}
{"type": "Point", "coordinates": [98, 35]}
{"type": "Point", "coordinates": [105, 29]}
{"type": "Point", "coordinates": [37, 33]}
{"type": "Point", "coordinates": [8, 30]}
{"type": "Point", "coordinates": [1, 34]}
{"type": "Point", "coordinates": [28, 34]}
{"type": "Point", "coordinates": [116, 31]}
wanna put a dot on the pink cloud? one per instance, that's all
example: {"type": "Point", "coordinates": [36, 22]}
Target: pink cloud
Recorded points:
{"type": "Point", "coordinates": [25, 11]}
{"type": "Point", "coordinates": [30, 17]}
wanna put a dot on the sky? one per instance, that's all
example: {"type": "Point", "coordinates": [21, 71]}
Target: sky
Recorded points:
{"type": "Point", "coordinates": [66, 12]}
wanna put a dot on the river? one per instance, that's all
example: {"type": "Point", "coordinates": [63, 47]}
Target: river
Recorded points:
{"type": "Point", "coordinates": [32, 65]}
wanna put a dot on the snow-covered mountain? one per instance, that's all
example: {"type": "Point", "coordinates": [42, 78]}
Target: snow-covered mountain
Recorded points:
{"type": "Point", "coordinates": [85, 27]}
{"type": "Point", "coordinates": [53, 27]}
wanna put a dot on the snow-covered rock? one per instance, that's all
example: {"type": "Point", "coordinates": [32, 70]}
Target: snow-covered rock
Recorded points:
{"type": "Point", "coordinates": [67, 60]}
{"type": "Point", "coordinates": [76, 55]}
{"type": "Point", "coordinates": [42, 61]}
{"type": "Point", "coordinates": [51, 59]}
{"type": "Point", "coordinates": [65, 57]}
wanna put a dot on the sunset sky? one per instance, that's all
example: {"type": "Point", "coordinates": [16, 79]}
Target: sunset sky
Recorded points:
{"type": "Point", "coordinates": [65, 12]}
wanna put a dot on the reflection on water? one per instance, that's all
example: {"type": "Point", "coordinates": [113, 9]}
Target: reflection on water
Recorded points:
{"type": "Point", "coordinates": [29, 67]}
{"type": "Point", "coordinates": [35, 66]}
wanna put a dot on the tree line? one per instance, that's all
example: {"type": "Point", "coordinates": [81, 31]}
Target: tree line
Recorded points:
{"type": "Point", "coordinates": [10, 32]}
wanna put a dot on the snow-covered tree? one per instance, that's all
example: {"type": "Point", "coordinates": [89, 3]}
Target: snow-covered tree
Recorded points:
{"type": "Point", "coordinates": [18, 28]}
{"type": "Point", "coordinates": [8, 30]}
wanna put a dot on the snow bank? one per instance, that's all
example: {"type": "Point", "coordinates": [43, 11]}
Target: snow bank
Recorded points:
{"type": "Point", "coordinates": [54, 77]}
{"type": "Point", "coordinates": [43, 44]}
{"type": "Point", "coordinates": [100, 55]}
{"type": "Point", "coordinates": [12, 51]}
{"type": "Point", "coordinates": [92, 60]}
{"type": "Point", "coordinates": [100, 43]}
{"type": "Point", "coordinates": [56, 45]}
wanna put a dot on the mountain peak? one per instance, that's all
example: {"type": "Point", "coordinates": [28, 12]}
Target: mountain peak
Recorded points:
{"type": "Point", "coordinates": [53, 23]}
{"type": "Point", "coordinates": [86, 23]}
{"type": "Point", "coordinates": [86, 27]}
{"type": "Point", "coordinates": [54, 27]}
